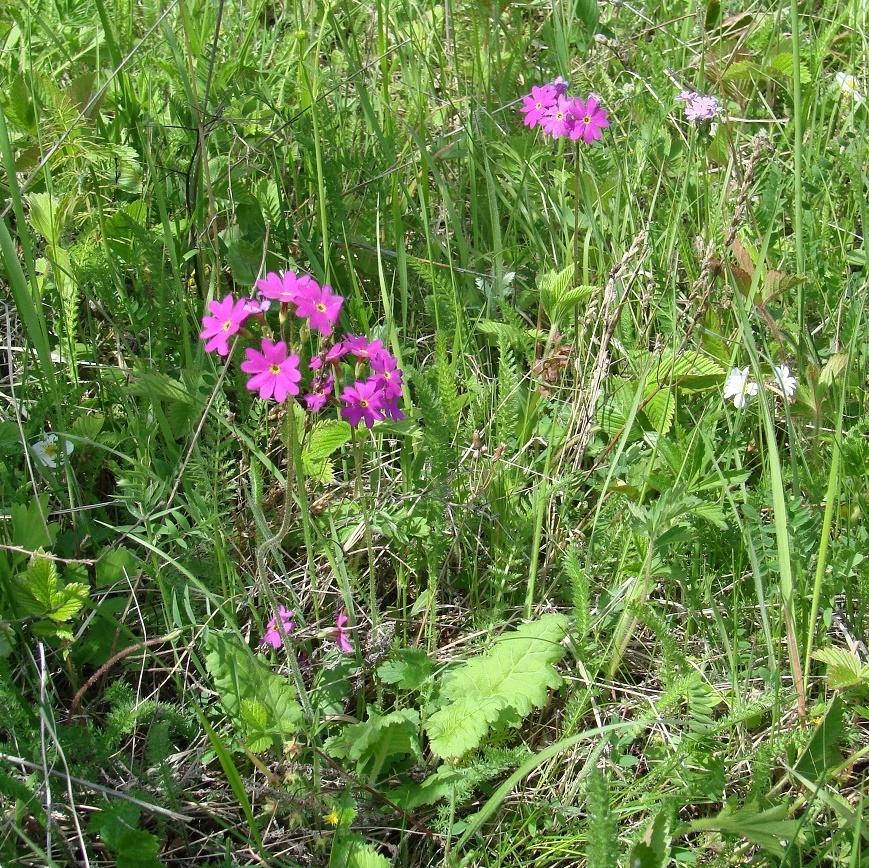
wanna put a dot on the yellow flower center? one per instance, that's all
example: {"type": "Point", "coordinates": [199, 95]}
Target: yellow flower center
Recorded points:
{"type": "Point", "coordinates": [227, 325]}
{"type": "Point", "coordinates": [274, 369]}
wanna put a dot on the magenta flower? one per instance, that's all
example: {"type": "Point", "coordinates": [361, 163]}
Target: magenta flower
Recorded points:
{"type": "Point", "coordinates": [388, 374]}
{"type": "Point", "coordinates": [391, 410]}
{"type": "Point", "coordinates": [362, 348]}
{"type": "Point", "coordinates": [256, 306]}
{"type": "Point", "coordinates": [364, 402]}
{"type": "Point", "coordinates": [226, 319]}
{"type": "Point", "coordinates": [319, 307]}
{"type": "Point", "coordinates": [272, 635]}
{"type": "Point", "coordinates": [560, 86]}
{"type": "Point", "coordinates": [329, 357]}
{"type": "Point", "coordinates": [275, 373]}
{"type": "Point", "coordinates": [588, 119]}
{"type": "Point", "coordinates": [557, 119]}
{"type": "Point", "coordinates": [287, 287]}
{"type": "Point", "coordinates": [687, 96]}
{"type": "Point", "coordinates": [341, 633]}
{"type": "Point", "coordinates": [321, 391]}
{"type": "Point", "coordinates": [537, 104]}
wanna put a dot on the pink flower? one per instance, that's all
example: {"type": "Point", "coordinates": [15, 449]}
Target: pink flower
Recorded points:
{"type": "Point", "coordinates": [341, 633]}
{"type": "Point", "coordinates": [364, 402]}
{"type": "Point", "coordinates": [702, 108]}
{"type": "Point", "coordinates": [588, 119]}
{"type": "Point", "coordinates": [226, 319]}
{"type": "Point", "coordinates": [286, 287]}
{"type": "Point", "coordinates": [255, 306]}
{"type": "Point", "coordinates": [559, 86]}
{"type": "Point", "coordinates": [391, 410]}
{"type": "Point", "coordinates": [388, 374]}
{"type": "Point", "coordinates": [319, 307]}
{"type": "Point", "coordinates": [321, 390]}
{"type": "Point", "coordinates": [272, 635]}
{"type": "Point", "coordinates": [687, 96]}
{"type": "Point", "coordinates": [362, 348]}
{"type": "Point", "coordinates": [556, 121]}
{"type": "Point", "coordinates": [537, 103]}
{"type": "Point", "coordinates": [329, 357]}
{"type": "Point", "coordinates": [275, 373]}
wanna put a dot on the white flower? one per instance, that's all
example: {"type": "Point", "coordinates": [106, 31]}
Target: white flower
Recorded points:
{"type": "Point", "coordinates": [46, 449]}
{"type": "Point", "coordinates": [784, 380]}
{"type": "Point", "coordinates": [738, 387]}
{"type": "Point", "coordinates": [849, 85]}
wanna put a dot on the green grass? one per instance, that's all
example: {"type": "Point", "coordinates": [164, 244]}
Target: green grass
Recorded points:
{"type": "Point", "coordinates": [565, 317]}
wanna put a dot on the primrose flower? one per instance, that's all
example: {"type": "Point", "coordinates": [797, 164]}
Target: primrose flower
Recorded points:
{"type": "Point", "coordinates": [538, 102]}
{"type": "Point", "coordinates": [587, 120]}
{"type": "Point", "coordinates": [738, 387]}
{"type": "Point", "coordinates": [275, 373]}
{"type": "Point", "coordinates": [388, 374]}
{"type": "Point", "coordinates": [272, 636]}
{"type": "Point", "coordinates": [391, 410]}
{"type": "Point", "coordinates": [557, 119]}
{"type": "Point", "coordinates": [329, 357]}
{"type": "Point", "coordinates": [226, 319]}
{"type": "Point", "coordinates": [784, 380]}
{"type": "Point", "coordinates": [559, 85]}
{"type": "Point", "coordinates": [321, 390]}
{"type": "Point", "coordinates": [364, 402]}
{"type": "Point", "coordinates": [319, 307]}
{"type": "Point", "coordinates": [286, 287]}
{"type": "Point", "coordinates": [47, 449]}
{"type": "Point", "coordinates": [700, 108]}
{"type": "Point", "coordinates": [341, 633]}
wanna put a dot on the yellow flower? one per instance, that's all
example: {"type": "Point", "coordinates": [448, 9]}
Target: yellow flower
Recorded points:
{"type": "Point", "coordinates": [333, 817]}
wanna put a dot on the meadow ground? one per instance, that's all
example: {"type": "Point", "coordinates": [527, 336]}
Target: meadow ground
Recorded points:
{"type": "Point", "coordinates": [434, 433]}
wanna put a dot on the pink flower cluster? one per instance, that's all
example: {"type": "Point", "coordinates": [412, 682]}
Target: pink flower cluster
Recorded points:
{"type": "Point", "coordinates": [272, 636]}
{"type": "Point", "coordinates": [560, 116]}
{"type": "Point", "coordinates": [699, 108]}
{"type": "Point", "coordinates": [276, 372]}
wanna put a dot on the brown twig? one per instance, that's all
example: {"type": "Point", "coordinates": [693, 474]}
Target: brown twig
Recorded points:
{"type": "Point", "coordinates": [76, 700]}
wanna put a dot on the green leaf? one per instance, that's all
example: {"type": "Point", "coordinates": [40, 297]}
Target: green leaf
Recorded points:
{"type": "Point", "coordinates": [844, 668]}
{"type": "Point", "coordinates": [515, 674]}
{"type": "Point", "coordinates": [553, 287]}
{"type": "Point", "coordinates": [240, 677]}
{"type": "Point", "coordinates": [821, 754]}
{"type": "Point", "coordinates": [378, 738]}
{"type": "Point", "coordinates": [440, 785]}
{"type": "Point", "coordinates": [660, 410]}
{"type": "Point", "coordinates": [654, 850]}
{"type": "Point", "coordinates": [769, 829]}
{"type": "Point", "coordinates": [409, 669]}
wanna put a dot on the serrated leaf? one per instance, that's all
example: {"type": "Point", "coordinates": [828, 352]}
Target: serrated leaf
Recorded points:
{"type": "Point", "coordinates": [503, 331]}
{"type": "Point", "coordinates": [75, 595]}
{"type": "Point", "coordinates": [379, 737]}
{"type": "Point", "coordinates": [459, 727]}
{"type": "Point", "coordinates": [553, 287]}
{"type": "Point", "coordinates": [742, 70]}
{"type": "Point", "coordinates": [784, 63]}
{"type": "Point", "coordinates": [515, 674]}
{"type": "Point", "coordinates": [325, 438]}
{"type": "Point", "coordinates": [660, 410]}
{"type": "Point", "coordinates": [409, 669]}
{"type": "Point", "coordinates": [238, 675]}
{"type": "Point", "coordinates": [440, 785]}
{"type": "Point", "coordinates": [844, 668]}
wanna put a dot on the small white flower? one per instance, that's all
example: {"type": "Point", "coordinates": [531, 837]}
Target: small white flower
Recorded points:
{"type": "Point", "coordinates": [785, 381]}
{"type": "Point", "coordinates": [849, 85]}
{"type": "Point", "coordinates": [46, 450]}
{"type": "Point", "coordinates": [738, 387]}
